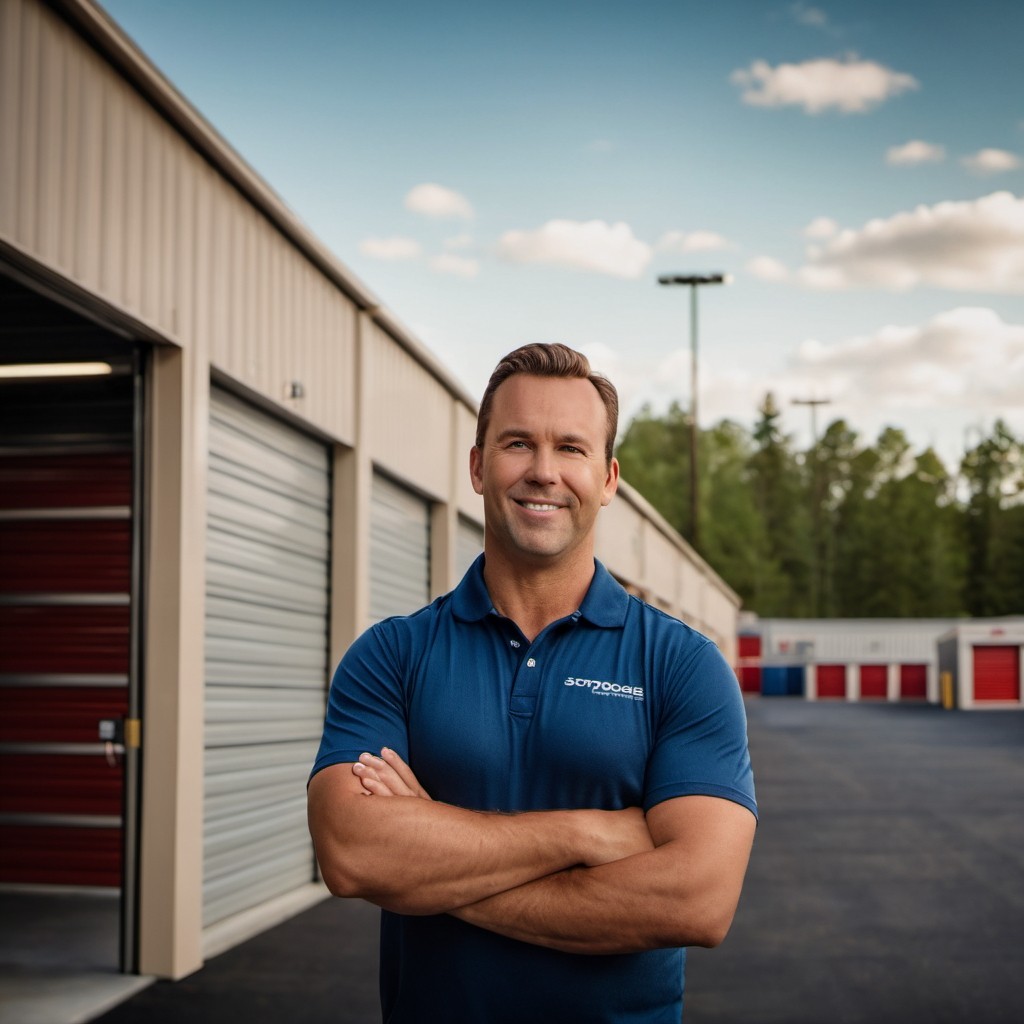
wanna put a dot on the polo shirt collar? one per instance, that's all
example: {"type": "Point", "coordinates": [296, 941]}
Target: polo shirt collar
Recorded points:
{"type": "Point", "coordinates": [604, 604]}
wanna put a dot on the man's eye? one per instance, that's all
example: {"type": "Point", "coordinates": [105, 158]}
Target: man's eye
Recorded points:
{"type": "Point", "coordinates": [572, 448]}
{"type": "Point", "coordinates": [517, 444]}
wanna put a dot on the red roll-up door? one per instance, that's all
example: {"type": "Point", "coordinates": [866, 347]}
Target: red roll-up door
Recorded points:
{"type": "Point", "coordinates": [65, 625]}
{"type": "Point", "coordinates": [831, 681]}
{"type": "Point", "coordinates": [874, 682]}
{"type": "Point", "coordinates": [996, 673]}
{"type": "Point", "coordinates": [913, 682]}
{"type": "Point", "coordinates": [750, 663]}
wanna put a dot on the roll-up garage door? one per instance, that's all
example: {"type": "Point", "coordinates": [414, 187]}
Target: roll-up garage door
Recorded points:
{"type": "Point", "coordinates": [266, 653]}
{"type": "Point", "coordinates": [831, 682]}
{"type": "Point", "coordinates": [913, 682]}
{"type": "Point", "coordinates": [399, 550]}
{"type": "Point", "coordinates": [66, 639]}
{"type": "Point", "coordinates": [996, 673]}
{"type": "Point", "coordinates": [469, 542]}
{"type": "Point", "coordinates": [874, 682]}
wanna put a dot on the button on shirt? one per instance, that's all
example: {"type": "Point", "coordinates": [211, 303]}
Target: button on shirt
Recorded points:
{"type": "Point", "coordinates": [617, 705]}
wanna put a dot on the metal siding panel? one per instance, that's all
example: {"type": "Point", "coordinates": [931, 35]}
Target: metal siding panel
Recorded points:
{"type": "Point", "coordinates": [27, 196]}
{"type": "Point", "coordinates": [51, 156]}
{"type": "Point", "coordinates": [12, 73]}
{"type": "Point", "coordinates": [266, 653]}
{"type": "Point", "coordinates": [401, 393]}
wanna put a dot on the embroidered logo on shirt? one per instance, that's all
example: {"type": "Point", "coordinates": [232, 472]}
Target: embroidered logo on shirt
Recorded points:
{"type": "Point", "coordinates": [603, 689]}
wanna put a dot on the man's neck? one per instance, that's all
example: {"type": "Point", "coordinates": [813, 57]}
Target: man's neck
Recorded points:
{"type": "Point", "coordinates": [534, 596]}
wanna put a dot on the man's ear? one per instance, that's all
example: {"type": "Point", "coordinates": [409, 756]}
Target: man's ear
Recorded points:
{"type": "Point", "coordinates": [476, 469]}
{"type": "Point", "coordinates": [611, 482]}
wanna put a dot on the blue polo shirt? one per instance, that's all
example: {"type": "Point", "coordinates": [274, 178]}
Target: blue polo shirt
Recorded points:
{"type": "Point", "coordinates": [617, 705]}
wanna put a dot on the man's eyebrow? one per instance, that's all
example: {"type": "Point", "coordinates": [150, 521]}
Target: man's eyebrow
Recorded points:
{"type": "Point", "coordinates": [513, 432]}
{"type": "Point", "coordinates": [577, 439]}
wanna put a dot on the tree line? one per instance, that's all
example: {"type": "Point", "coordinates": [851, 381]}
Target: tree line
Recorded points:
{"type": "Point", "coordinates": [846, 528]}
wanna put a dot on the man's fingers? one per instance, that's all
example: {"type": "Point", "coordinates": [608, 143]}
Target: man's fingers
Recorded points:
{"type": "Point", "coordinates": [404, 772]}
{"type": "Point", "coordinates": [387, 775]}
{"type": "Point", "coordinates": [387, 781]}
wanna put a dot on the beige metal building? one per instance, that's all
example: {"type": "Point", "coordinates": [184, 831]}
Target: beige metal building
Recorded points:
{"type": "Point", "coordinates": [250, 462]}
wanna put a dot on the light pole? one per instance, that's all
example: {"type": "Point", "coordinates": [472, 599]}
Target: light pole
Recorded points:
{"type": "Point", "coordinates": [694, 281]}
{"type": "Point", "coordinates": [812, 404]}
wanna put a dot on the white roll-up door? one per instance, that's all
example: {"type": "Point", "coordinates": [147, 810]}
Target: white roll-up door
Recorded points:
{"type": "Point", "coordinates": [266, 653]}
{"type": "Point", "coordinates": [469, 542]}
{"type": "Point", "coordinates": [399, 550]}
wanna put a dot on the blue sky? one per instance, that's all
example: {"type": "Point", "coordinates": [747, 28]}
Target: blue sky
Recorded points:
{"type": "Point", "coordinates": [501, 173]}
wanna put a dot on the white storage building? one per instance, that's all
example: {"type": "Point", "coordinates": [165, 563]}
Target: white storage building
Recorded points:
{"type": "Point", "coordinates": [871, 659]}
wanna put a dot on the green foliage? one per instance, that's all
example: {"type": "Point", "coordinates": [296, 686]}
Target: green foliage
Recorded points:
{"type": "Point", "coordinates": [842, 529]}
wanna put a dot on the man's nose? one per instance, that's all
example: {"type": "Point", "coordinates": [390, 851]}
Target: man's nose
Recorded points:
{"type": "Point", "coordinates": [542, 466]}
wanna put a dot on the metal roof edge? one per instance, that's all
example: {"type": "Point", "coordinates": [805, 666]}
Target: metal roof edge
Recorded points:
{"type": "Point", "coordinates": [639, 502]}
{"type": "Point", "coordinates": [113, 43]}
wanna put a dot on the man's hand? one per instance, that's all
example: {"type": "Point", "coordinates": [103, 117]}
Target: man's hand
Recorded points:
{"type": "Point", "coordinates": [387, 775]}
{"type": "Point", "coordinates": [616, 834]}
{"type": "Point", "coordinates": [423, 856]}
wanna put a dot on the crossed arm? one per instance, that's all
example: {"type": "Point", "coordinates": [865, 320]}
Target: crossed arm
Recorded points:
{"type": "Point", "coordinates": [584, 881]}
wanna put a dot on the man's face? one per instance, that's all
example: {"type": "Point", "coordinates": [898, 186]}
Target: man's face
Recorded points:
{"type": "Point", "coordinates": [542, 469]}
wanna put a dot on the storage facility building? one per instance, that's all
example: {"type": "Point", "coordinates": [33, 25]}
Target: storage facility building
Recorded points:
{"type": "Point", "coordinates": [251, 461]}
{"type": "Point", "coordinates": [871, 659]}
{"type": "Point", "coordinates": [981, 665]}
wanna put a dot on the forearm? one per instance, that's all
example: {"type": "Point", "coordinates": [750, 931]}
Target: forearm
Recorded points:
{"type": "Point", "coordinates": [684, 893]}
{"type": "Point", "coordinates": [624, 907]}
{"type": "Point", "coordinates": [423, 857]}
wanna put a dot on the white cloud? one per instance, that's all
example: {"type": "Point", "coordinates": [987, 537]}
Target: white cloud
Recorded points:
{"type": "Point", "coordinates": [390, 248]}
{"type": "Point", "coordinates": [975, 245]}
{"type": "Point", "coordinates": [966, 358]}
{"type": "Point", "coordinates": [915, 152]}
{"type": "Point", "coordinates": [764, 268]}
{"type": "Point", "coordinates": [991, 161]}
{"type": "Point", "coordinates": [433, 200]}
{"type": "Point", "coordinates": [460, 266]}
{"type": "Point", "coordinates": [692, 241]}
{"type": "Point", "coordinates": [851, 85]}
{"type": "Point", "coordinates": [821, 227]}
{"type": "Point", "coordinates": [459, 242]}
{"type": "Point", "coordinates": [592, 245]}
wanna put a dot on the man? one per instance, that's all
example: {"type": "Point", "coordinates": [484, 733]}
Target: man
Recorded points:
{"type": "Point", "coordinates": [542, 781]}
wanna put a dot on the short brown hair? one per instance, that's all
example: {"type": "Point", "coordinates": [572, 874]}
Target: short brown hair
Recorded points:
{"type": "Point", "coordinates": [555, 360]}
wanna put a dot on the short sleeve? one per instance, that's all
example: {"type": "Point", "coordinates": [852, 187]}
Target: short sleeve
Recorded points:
{"type": "Point", "coordinates": [366, 707]}
{"type": "Point", "coordinates": [700, 745]}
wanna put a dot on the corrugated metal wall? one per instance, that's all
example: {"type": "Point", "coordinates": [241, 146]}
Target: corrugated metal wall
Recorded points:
{"type": "Point", "coordinates": [117, 200]}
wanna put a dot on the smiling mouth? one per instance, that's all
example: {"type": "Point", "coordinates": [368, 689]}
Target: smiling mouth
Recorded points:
{"type": "Point", "coordinates": [539, 506]}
